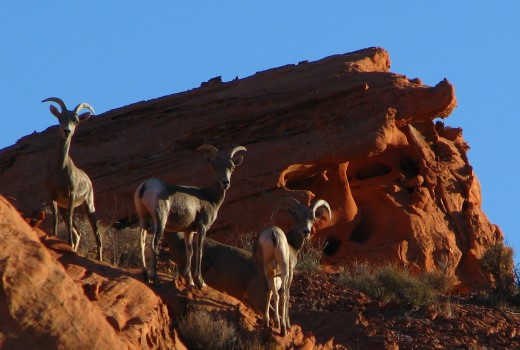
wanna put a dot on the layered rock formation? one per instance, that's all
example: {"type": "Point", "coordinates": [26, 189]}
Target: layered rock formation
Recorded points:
{"type": "Point", "coordinates": [55, 299]}
{"type": "Point", "coordinates": [344, 129]}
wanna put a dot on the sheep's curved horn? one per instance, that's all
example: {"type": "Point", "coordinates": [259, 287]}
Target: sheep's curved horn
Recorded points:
{"type": "Point", "coordinates": [290, 201]}
{"type": "Point", "coordinates": [212, 149]}
{"type": "Point", "coordinates": [320, 203]}
{"type": "Point", "coordinates": [84, 105]}
{"type": "Point", "coordinates": [237, 149]}
{"type": "Point", "coordinates": [58, 101]}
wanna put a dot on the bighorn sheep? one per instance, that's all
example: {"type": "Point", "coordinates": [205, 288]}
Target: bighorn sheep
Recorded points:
{"type": "Point", "coordinates": [68, 185]}
{"type": "Point", "coordinates": [225, 268]}
{"type": "Point", "coordinates": [277, 255]}
{"type": "Point", "coordinates": [174, 208]}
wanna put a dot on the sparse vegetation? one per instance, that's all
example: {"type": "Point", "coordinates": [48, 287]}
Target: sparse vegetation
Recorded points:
{"type": "Point", "coordinates": [497, 261]}
{"type": "Point", "coordinates": [120, 247]}
{"type": "Point", "coordinates": [393, 284]}
{"type": "Point", "coordinates": [204, 330]}
{"type": "Point", "coordinates": [310, 256]}
{"type": "Point", "coordinates": [246, 241]}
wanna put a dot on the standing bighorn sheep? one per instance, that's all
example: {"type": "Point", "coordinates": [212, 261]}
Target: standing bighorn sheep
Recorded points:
{"type": "Point", "coordinates": [68, 185]}
{"type": "Point", "coordinates": [277, 255]}
{"type": "Point", "coordinates": [174, 208]}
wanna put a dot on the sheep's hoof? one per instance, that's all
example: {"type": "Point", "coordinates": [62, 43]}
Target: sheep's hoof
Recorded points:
{"type": "Point", "coordinates": [146, 276]}
{"type": "Point", "coordinates": [190, 284]}
{"type": "Point", "coordinates": [201, 283]}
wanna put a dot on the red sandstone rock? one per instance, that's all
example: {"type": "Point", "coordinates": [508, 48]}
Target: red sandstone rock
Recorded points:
{"type": "Point", "coordinates": [344, 129]}
{"type": "Point", "coordinates": [43, 305]}
{"type": "Point", "coordinates": [85, 305]}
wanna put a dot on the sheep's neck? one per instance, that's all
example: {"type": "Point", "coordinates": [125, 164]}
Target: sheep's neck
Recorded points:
{"type": "Point", "coordinates": [62, 152]}
{"type": "Point", "coordinates": [216, 194]}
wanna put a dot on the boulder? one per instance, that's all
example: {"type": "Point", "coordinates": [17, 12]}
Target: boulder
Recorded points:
{"type": "Point", "coordinates": [54, 299]}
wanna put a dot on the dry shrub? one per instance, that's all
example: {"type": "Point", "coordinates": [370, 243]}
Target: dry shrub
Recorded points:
{"type": "Point", "coordinates": [393, 284]}
{"type": "Point", "coordinates": [204, 330]}
{"type": "Point", "coordinates": [498, 262]}
{"type": "Point", "coordinates": [120, 247]}
{"type": "Point", "coordinates": [310, 256]}
{"type": "Point", "coordinates": [246, 241]}
{"type": "Point", "coordinates": [125, 247]}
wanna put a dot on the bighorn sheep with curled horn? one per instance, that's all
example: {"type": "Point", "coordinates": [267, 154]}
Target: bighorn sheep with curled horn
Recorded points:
{"type": "Point", "coordinates": [277, 254]}
{"type": "Point", "coordinates": [174, 208]}
{"type": "Point", "coordinates": [68, 185]}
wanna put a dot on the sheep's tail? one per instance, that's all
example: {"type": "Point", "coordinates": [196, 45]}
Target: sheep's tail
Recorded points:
{"type": "Point", "coordinates": [274, 238]}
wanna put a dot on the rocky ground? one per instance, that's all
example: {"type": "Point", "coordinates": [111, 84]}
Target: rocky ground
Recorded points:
{"type": "Point", "coordinates": [332, 311]}
{"type": "Point", "coordinates": [325, 314]}
{"type": "Point", "coordinates": [46, 286]}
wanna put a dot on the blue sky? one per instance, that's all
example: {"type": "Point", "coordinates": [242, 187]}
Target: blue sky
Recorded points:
{"type": "Point", "coordinates": [112, 53]}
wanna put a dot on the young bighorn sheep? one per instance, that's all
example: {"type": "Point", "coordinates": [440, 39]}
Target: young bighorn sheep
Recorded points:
{"type": "Point", "coordinates": [174, 208]}
{"type": "Point", "coordinates": [68, 185]}
{"type": "Point", "coordinates": [277, 255]}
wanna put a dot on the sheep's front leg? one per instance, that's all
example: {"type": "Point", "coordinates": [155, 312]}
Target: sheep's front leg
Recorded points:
{"type": "Point", "coordinates": [188, 242]}
{"type": "Point", "coordinates": [199, 247]}
{"type": "Point", "coordinates": [55, 217]}
{"type": "Point", "coordinates": [73, 240]}
{"type": "Point", "coordinates": [159, 229]}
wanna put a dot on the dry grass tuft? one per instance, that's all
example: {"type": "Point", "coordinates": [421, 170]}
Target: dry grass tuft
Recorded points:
{"type": "Point", "coordinates": [204, 330]}
{"type": "Point", "coordinates": [393, 284]}
{"type": "Point", "coordinates": [310, 256]}
{"type": "Point", "coordinates": [246, 241]}
{"type": "Point", "coordinates": [120, 247]}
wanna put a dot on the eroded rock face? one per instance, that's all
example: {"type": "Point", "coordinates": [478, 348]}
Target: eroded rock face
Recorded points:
{"type": "Point", "coordinates": [343, 129]}
{"type": "Point", "coordinates": [55, 299]}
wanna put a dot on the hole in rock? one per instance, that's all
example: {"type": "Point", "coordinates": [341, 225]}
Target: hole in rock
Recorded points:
{"type": "Point", "coordinates": [312, 178]}
{"type": "Point", "coordinates": [372, 170]}
{"type": "Point", "coordinates": [303, 184]}
{"type": "Point", "coordinates": [331, 246]}
{"type": "Point", "coordinates": [409, 168]}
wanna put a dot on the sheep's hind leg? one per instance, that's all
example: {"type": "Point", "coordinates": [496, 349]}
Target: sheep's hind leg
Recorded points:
{"type": "Point", "coordinates": [199, 247]}
{"type": "Point", "coordinates": [144, 269]}
{"type": "Point", "coordinates": [92, 218]}
{"type": "Point", "coordinates": [267, 306]}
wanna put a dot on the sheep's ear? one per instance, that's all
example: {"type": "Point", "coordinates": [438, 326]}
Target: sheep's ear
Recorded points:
{"type": "Point", "coordinates": [210, 160]}
{"type": "Point", "coordinates": [84, 116]}
{"type": "Point", "coordinates": [55, 111]}
{"type": "Point", "coordinates": [238, 160]}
